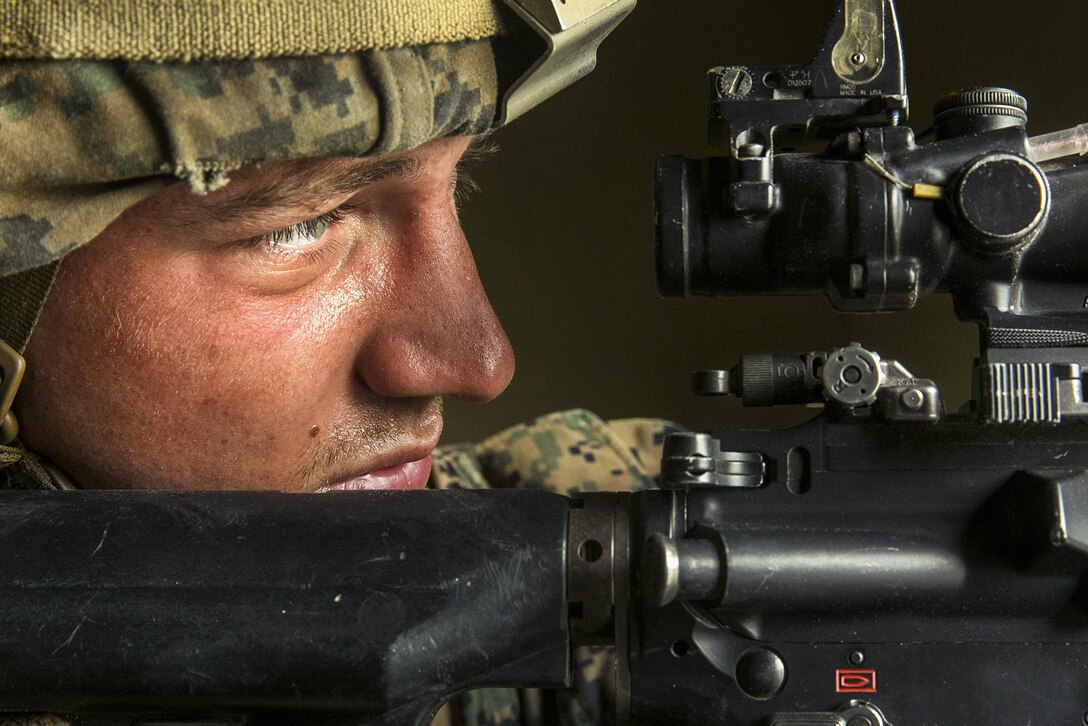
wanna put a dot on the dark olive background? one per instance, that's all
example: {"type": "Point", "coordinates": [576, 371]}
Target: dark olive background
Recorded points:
{"type": "Point", "coordinates": [562, 229]}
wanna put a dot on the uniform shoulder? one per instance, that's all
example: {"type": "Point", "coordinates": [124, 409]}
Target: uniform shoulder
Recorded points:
{"type": "Point", "coordinates": [565, 452]}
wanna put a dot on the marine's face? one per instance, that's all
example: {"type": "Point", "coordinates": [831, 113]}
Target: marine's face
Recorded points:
{"type": "Point", "coordinates": [294, 330]}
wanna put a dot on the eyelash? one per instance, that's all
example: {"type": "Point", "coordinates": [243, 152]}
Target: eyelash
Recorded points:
{"type": "Point", "coordinates": [277, 241]}
{"type": "Point", "coordinates": [463, 186]}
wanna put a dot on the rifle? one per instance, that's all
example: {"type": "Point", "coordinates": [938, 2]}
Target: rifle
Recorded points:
{"type": "Point", "coordinates": [773, 576]}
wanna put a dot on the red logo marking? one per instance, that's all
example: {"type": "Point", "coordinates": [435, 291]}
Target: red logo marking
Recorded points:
{"type": "Point", "coordinates": [855, 681]}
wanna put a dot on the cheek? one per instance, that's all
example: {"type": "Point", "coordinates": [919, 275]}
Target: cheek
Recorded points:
{"type": "Point", "coordinates": [231, 364]}
{"type": "Point", "coordinates": [152, 360]}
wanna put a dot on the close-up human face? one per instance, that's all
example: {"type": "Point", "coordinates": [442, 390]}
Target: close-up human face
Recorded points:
{"type": "Point", "coordinates": [295, 331]}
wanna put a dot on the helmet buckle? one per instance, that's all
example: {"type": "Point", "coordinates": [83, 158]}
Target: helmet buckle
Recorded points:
{"type": "Point", "coordinates": [12, 367]}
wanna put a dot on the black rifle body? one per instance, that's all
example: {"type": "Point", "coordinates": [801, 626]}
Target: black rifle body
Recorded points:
{"type": "Point", "coordinates": [931, 551]}
{"type": "Point", "coordinates": [932, 571]}
{"type": "Point", "coordinates": [152, 607]}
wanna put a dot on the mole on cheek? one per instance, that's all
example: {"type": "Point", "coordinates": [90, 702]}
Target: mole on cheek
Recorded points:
{"type": "Point", "coordinates": [315, 430]}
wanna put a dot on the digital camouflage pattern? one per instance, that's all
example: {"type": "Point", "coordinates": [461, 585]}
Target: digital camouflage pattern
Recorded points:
{"type": "Point", "coordinates": [81, 140]}
{"type": "Point", "coordinates": [565, 452]}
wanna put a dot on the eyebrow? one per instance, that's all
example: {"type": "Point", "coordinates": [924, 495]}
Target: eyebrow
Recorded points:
{"type": "Point", "coordinates": [294, 191]}
{"type": "Point", "coordinates": [308, 190]}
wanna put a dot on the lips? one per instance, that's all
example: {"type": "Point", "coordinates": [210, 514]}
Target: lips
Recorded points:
{"type": "Point", "coordinates": [408, 475]}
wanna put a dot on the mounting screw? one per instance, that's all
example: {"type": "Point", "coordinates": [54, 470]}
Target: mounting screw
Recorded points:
{"type": "Point", "coordinates": [858, 58]}
{"type": "Point", "coordinates": [912, 399]}
{"type": "Point", "coordinates": [857, 657]}
{"type": "Point", "coordinates": [860, 721]}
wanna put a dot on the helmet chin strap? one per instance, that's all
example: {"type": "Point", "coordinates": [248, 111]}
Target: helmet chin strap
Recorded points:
{"type": "Point", "coordinates": [12, 367]}
{"type": "Point", "coordinates": [22, 297]}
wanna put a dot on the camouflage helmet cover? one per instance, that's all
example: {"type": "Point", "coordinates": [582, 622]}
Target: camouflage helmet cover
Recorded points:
{"type": "Point", "coordinates": [112, 108]}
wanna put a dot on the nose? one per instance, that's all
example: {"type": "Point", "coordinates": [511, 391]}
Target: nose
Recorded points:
{"type": "Point", "coordinates": [438, 334]}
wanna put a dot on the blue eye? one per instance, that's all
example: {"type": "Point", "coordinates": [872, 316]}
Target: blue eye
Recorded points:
{"type": "Point", "coordinates": [301, 236]}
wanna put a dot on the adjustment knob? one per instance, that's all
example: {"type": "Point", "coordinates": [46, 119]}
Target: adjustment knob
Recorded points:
{"type": "Point", "coordinates": [976, 110]}
{"type": "Point", "coordinates": [1001, 199]}
{"type": "Point", "coordinates": [853, 376]}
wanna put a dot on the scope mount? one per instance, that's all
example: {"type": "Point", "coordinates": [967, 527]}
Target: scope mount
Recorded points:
{"type": "Point", "coordinates": [855, 80]}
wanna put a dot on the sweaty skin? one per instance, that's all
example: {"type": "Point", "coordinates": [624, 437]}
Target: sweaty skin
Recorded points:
{"type": "Point", "coordinates": [191, 345]}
